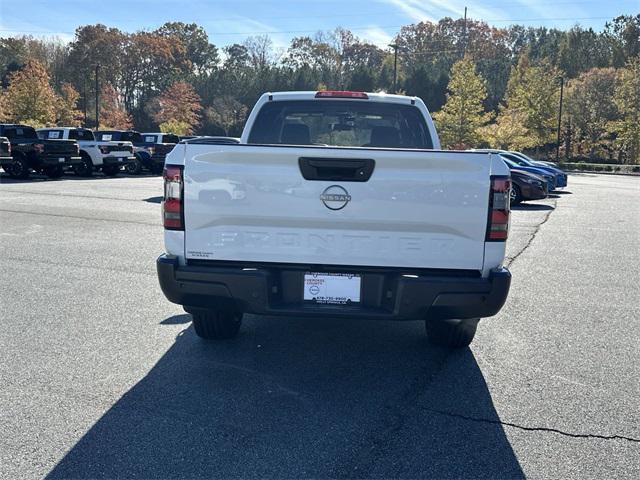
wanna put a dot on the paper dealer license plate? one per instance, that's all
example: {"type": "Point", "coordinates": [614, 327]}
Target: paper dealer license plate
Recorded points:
{"type": "Point", "coordinates": [332, 288]}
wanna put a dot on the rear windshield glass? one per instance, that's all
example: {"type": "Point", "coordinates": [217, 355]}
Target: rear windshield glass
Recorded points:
{"type": "Point", "coordinates": [150, 139]}
{"type": "Point", "coordinates": [54, 134]}
{"type": "Point", "coordinates": [352, 123]}
{"type": "Point", "coordinates": [133, 137]}
{"type": "Point", "coordinates": [19, 132]}
{"type": "Point", "coordinates": [170, 139]}
{"type": "Point", "coordinates": [81, 135]}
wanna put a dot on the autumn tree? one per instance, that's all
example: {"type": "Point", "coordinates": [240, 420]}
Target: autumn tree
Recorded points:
{"type": "Point", "coordinates": [67, 113]}
{"type": "Point", "coordinates": [227, 113]}
{"type": "Point", "coordinates": [29, 97]}
{"type": "Point", "coordinates": [179, 105]}
{"type": "Point", "coordinates": [533, 91]}
{"type": "Point", "coordinates": [507, 132]}
{"type": "Point", "coordinates": [3, 115]}
{"type": "Point", "coordinates": [112, 111]}
{"type": "Point", "coordinates": [627, 99]}
{"type": "Point", "coordinates": [591, 108]}
{"type": "Point", "coordinates": [463, 113]}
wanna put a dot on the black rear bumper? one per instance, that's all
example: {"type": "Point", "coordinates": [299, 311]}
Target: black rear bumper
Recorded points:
{"type": "Point", "coordinates": [386, 293]}
{"type": "Point", "coordinates": [53, 159]}
{"type": "Point", "coordinates": [108, 161]}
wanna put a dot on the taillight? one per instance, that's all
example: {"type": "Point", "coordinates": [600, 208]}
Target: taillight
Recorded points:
{"type": "Point", "coordinates": [341, 94]}
{"type": "Point", "coordinates": [38, 147]}
{"type": "Point", "coordinates": [77, 149]}
{"type": "Point", "coordinates": [499, 200]}
{"type": "Point", "coordinates": [151, 150]}
{"type": "Point", "coordinates": [8, 147]}
{"type": "Point", "coordinates": [104, 149]}
{"type": "Point", "coordinates": [172, 207]}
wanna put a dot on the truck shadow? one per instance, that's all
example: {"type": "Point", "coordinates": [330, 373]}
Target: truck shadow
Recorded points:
{"type": "Point", "coordinates": [293, 398]}
{"type": "Point", "coordinates": [532, 206]}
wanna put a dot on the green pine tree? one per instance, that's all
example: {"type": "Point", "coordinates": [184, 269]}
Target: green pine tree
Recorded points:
{"type": "Point", "coordinates": [463, 115]}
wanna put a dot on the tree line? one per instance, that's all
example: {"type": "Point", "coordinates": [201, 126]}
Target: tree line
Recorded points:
{"type": "Point", "coordinates": [488, 86]}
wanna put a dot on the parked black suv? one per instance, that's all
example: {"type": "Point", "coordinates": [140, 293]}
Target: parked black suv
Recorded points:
{"type": "Point", "coordinates": [32, 153]}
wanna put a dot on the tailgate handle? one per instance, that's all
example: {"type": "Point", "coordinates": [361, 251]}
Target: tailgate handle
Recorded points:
{"type": "Point", "coordinates": [337, 169]}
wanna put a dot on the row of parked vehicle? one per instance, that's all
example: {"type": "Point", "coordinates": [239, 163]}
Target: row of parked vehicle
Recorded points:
{"type": "Point", "coordinates": [530, 179]}
{"type": "Point", "coordinates": [51, 151]}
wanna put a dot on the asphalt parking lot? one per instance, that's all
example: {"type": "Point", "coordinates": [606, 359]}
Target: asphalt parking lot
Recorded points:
{"type": "Point", "coordinates": [102, 377]}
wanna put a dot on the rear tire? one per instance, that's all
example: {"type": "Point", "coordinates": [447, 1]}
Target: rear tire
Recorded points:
{"type": "Point", "coordinates": [451, 333]}
{"type": "Point", "coordinates": [134, 167]}
{"type": "Point", "coordinates": [216, 324]}
{"type": "Point", "coordinates": [54, 172]}
{"type": "Point", "coordinates": [515, 195]}
{"type": "Point", "coordinates": [85, 169]}
{"type": "Point", "coordinates": [19, 168]}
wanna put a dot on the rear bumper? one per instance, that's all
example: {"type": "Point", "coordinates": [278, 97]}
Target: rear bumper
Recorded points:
{"type": "Point", "coordinates": [119, 160]}
{"type": "Point", "coordinates": [386, 293]}
{"type": "Point", "coordinates": [64, 160]}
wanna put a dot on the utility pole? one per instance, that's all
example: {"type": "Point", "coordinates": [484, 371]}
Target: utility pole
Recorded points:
{"type": "Point", "coordinates": [395, 66]}
{"type": "Point", "coordinates": [84, 101]}
{"type": "Point", "coordinates": [559, 119]}
{"type": "Point", "coordinates": [97, 97]}
{"type": "Point", "coordinates": [464, 37]}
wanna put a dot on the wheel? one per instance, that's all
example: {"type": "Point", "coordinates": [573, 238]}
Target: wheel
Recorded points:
{"type": "Point", "coordinates": [515, 194]}
{"type": "Point", "coordinates": [54, 172]}
{"type": "Point", "coordinates": [451, 333]}
{"type": "Point", "coordinates": [111, 170]}
{"type": "Point", "coordinates": [216, 324]}
{"type": "Point", "coordinates": [135, 167]}
{"type": "Point", "coordinates": [84, 169]}
{"type": "Point", "coordinates": [19, 168]}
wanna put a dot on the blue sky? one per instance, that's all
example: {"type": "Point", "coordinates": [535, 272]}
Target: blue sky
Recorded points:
{"type": "Point", "coordinates": [229, 21]}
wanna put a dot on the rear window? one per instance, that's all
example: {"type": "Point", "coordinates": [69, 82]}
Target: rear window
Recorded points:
{"type": "Point", "coordinates": [133, 137]}
{"type": "Point", "coordinates": [170, 139]}
{"type": "Point", "coordinates": [355, 123]}
{"type": "Point", "coordinates": [19, 132]}
{"type": "Point", "coordinates": [81, 134]}
{"type": "Point", "coordinates": [104, 137]}
{"type": "Point", "coordinates": [54, 134]}
{"type": "Point", "coordinates": [150, 139]}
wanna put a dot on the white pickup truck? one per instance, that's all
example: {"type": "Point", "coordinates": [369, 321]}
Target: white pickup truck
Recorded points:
{"type": "Point", "coordinates": [336, 204]}
{"type": "Point", "coordinates": [109, 157]}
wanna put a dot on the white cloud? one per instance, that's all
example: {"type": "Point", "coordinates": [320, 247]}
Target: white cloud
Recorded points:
{"type": "Point", "coordinates": [377, 36]}
{"type": "Point", "coordinates": [433, 10]}
{"type": "Point", "coordinates": [237, 28]}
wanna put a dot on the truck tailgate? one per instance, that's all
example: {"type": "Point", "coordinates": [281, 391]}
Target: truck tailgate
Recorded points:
{"type": "Point", "coordinates": [418, 209]}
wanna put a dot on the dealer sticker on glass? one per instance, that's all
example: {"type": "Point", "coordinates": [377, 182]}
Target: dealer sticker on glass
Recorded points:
{"type": "Point", "coordinates": [332, 288]}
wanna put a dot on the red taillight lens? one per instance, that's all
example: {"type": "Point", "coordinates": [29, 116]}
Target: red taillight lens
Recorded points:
{"type": "Point", "coordinates": [104, 149]}
{"type": "Point", "coordinates": [341, 94]}
{"type": "Point", "coordinates": [38, 147]}
{"type": "Point", "coordinates": [8, 147]}
{"type": "Point", "coordinates": [499, 200]}
{"type": "Point", "coordinates": [172, 208]}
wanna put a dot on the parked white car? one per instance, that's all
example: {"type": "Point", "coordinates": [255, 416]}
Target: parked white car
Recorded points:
{"type": "Point", "coordinates": [110, 157]}
{"type": "Point", "coordinates": [347, 209]}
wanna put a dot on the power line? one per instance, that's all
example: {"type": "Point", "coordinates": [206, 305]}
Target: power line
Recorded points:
{"type": "Point", "coordinates": [382, 27]}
